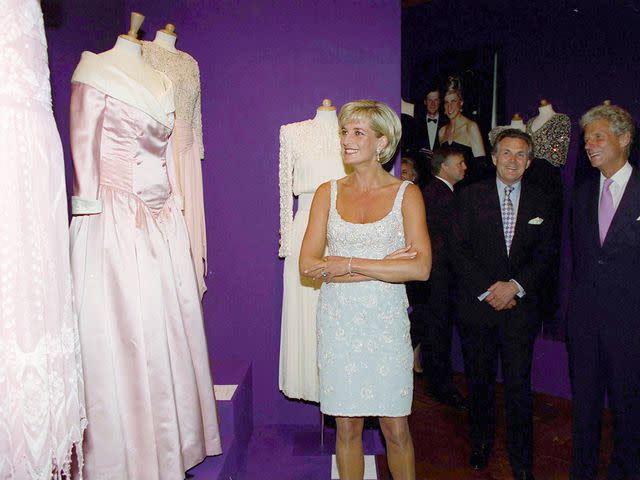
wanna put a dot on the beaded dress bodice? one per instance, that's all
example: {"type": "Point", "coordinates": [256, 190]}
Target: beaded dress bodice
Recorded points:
{"type": "Point", "coordinates": [551, 140]}
{"type": "Point", "coordinates": [184, 72]}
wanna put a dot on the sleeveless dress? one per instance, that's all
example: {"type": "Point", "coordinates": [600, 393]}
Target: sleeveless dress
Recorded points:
{"type": "Point", "coordinates": [364, 348]}
{"type": "Point", "coordinates": [42, 409]}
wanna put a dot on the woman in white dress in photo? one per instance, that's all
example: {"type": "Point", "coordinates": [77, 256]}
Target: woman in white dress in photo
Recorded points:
{"type": "Point", "coordinates": [374, 226]}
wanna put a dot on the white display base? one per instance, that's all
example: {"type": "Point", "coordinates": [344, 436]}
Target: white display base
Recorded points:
{"type": "Point", "coordinates": [370, 472]}
{"type": "Point", "coordinates": [224, 392]}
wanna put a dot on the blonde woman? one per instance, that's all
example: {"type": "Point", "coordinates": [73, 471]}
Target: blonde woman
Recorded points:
{"type": "Point", "coordinates": [374, 227]}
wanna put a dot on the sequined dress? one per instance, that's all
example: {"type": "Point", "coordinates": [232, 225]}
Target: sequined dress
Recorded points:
{"type": "Point", "coordinates": [309, 156]}
{"type": "Point", "coordinates": [551, 140]}
{"type": "Point", "coordinates": [42, 409]}
{"type": "Point", "coordinates": [186, 142]}
{"type": "Point", "coordinates": [364, 347]}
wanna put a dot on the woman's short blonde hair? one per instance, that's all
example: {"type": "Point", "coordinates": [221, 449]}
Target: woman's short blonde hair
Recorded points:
{"type": "Point", "coordinates": [382, 120]}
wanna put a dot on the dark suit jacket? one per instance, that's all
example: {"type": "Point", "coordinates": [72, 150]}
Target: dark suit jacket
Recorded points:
{"type": "Point", "coordinates": [440, 204]}
{"type": "Point", "coordinates": [479, 255]}
{"type": "Point", "coordinates": [606, 278]}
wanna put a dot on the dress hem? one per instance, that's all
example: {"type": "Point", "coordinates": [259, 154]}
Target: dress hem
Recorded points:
{"type": "Point", "coordinates": [334, 414]}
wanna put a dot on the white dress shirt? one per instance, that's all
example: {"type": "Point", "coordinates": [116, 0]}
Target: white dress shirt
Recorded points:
{"type": "Point", "coordinates": [448, 184]}
{"type": "Point", "coordinates": [432, 128]}
{"type": "Point", "coordinates": [620, 180]}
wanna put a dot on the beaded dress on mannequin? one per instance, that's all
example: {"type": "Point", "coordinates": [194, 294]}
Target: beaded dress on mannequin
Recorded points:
{"type": "Point", "coordinates": [42, 412]}
{"type": "Point", "coordinates": [309, 156]}
{"type": "Point", "coordinates": [186, 142]}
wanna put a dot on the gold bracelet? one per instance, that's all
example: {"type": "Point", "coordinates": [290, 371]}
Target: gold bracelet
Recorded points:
{"type": "Point", "coordinates": [349, 271]}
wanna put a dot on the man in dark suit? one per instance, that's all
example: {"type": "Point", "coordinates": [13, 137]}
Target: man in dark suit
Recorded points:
{"type": "Point", "coordinates": [428, 121]}
{"type": "Point", "coordinates": [448, 168]}
{"type": "Point", "coordinates": [503, 245]}
{"type": "Point", "coordinates": [604, 303]}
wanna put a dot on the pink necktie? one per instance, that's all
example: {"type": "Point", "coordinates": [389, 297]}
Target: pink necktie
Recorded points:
{"type": "Point", "coordinates": [605, 210]}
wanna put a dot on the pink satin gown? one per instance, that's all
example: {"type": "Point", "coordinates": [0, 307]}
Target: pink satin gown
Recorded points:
{"type": "Point", "coordinates": [150, 400]}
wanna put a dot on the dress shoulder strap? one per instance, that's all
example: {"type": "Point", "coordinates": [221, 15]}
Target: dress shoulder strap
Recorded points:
{"type": "Point", "coordinates": [397, 204]}
{"type": "Point", "coordinates": [334, 194]}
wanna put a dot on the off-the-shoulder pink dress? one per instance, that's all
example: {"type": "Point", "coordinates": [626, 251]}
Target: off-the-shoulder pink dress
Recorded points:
{"type": "Point", "coordinates": [150, 400]}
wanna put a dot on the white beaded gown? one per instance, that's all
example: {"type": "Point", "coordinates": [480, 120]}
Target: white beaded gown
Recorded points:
{"type": "Point", "coordinates": [309, 156]}
{"type": "Point", "coordinates": [364, 348]}
{"type": "Point", "coordinates": [42, 413]}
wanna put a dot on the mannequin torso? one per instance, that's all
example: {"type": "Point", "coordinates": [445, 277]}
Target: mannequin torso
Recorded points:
{"type": "Point", "coordinates": [546, 111]}
{"type": "Point", "coordinates": [127, 57]}
{"type": "Point", "coordinates": [166, 41]}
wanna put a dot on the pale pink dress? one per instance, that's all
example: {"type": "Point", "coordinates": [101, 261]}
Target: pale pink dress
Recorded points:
{"type": "Point", "coordinates": [150, 400]}
{"type": "Point", "coordinates": [41, 394]}
{"type": "Point", "coordinates": [188, 147]}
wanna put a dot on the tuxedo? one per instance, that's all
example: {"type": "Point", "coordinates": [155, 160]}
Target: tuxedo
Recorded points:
{"type": "Point", "coordinates": [440, 203]}
{"type": "Point", "coordinates": [423, 137]}
{"type": "Point", "coordinates": [421, 142]}
{"type": "Point", "coordinates": [479, 257]}
{"type": "Point", "coordinates": [604, 330]}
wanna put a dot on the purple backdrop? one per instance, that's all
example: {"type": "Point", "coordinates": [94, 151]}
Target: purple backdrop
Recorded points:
{"type": "Point", "coordinates": [263, 64]}
{"type": "Point", "coordinates": [266, 63]}
{"type": "Point", "coordinates": [72, 27]}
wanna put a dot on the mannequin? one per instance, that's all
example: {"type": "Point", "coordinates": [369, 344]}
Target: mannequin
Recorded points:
{"type": "Point", "coordinates": [148, 387]}
{"type": "Point", "coordinates": [550, 133]}
{"type": "Point", "coordinates": [309, 156]}
{"type": "Point", "coordinates": [166, 38]}
{"type": "Point", "coordinates": [546, 111]}
{"type": "Point", "coordinates": [126, 55]}
{"type": "Point", "coordinates": [516, 122]}
{"type": "Point", "coordinates": [186, 140]}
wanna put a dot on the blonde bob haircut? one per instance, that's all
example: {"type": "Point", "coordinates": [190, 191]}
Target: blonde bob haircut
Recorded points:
{"type": "Point", "coordinates": [382, 120]}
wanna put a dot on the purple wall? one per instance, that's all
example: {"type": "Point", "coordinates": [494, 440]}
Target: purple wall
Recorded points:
{"type": "Point", "coordinates": [73, 26]}
{"type": "Point", "coordinates": [264, 64]}
{"type": "Point", "coordinates": [575, 54]}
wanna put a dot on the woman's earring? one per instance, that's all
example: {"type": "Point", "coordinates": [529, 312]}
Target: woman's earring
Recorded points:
{"type": "Point", "coordinates": [378, 155]}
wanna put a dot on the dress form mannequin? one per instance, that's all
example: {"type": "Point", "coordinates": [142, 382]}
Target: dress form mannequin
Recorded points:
{"type": "Point", "coordinates": [309, 156]}
{"type": "Point", "coordinates": [148, 385]}
{"type": "Point", "coordinates": [516, 122]}
{"type": "Point", "coordinates": [550, 132]}
{"type": "Point", "coordinates": [126, 55]}
{"type": "Point", "coordinates": [186, 140]}
{"type": "Point", "coordinates": [546, 111]}
{"type": "Point", "coordinates": [166, 38]}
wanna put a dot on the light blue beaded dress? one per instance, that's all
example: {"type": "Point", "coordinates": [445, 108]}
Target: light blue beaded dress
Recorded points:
{"type": "Point", "coordinates": [364, 348]}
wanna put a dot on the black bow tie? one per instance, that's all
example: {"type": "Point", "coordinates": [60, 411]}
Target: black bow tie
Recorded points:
{"type": "Point", "coordinates": [434, 120]}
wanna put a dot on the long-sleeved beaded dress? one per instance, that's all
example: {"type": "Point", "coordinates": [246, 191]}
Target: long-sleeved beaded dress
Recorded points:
{"type": "Point", "coordinates": [309, 156]}
{"type": "Point", "coordinates": [186, 142]}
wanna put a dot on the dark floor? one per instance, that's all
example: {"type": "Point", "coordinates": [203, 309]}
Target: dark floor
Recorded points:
{"type": "Point", "coordinates": [442, 446]}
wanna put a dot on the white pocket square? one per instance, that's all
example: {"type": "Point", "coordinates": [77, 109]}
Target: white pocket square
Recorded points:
{"type": "Point", "coordinates": [638, 219]}
{"type": "Point", "coordinates": [536, 221]}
